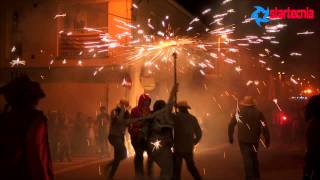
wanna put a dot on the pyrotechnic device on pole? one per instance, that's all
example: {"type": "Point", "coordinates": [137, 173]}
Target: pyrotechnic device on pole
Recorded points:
{"type": "Point", "coordinates": [175, 57]}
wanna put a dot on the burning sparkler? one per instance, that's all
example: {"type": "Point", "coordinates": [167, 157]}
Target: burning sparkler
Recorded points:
{"type": "Point", "coordinates": [156, 145]}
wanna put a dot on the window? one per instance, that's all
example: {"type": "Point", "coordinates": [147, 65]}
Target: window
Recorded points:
{"type": "Point", "coordinates": [84, 28]}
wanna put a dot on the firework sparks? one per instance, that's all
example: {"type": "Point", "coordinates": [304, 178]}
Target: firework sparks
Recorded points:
{"type": "Point", "coordinates": [293, 80]}
{"type": "Point", "coordinates": [262, 62]}
{"type": "Point", "coordinates": [249, 82]}
{"type": "Point", "coordinates": [274, 42]}
{"type": "Point", "coordinates": [305, 33]}
{"type": "Point", "coordinates": [156, 144]}
{"type": "Point", "coordinates": [206, 11]}
{"type": "Point", "coordinates": [17, 62]}
{"type": "Point", "coordinates": [225, 2]}
{"type": "Point", "coordinates": [254, 148]}
{"type": "Point", "coordinates": [134, 6]}
{"type": "Point", "coordinates": [196, 19]}
{"type": "Point", "coordinates": [276, 103]}
{"type": "Point", "coordinates": [13, 49]}
{"type": "Point", "coordinates": [295, 54]}
{"type": "Point", "coordinates": [263, 144]}
{"type": "Point", "coordinates": [238, 69]}
{"type": "Point", "coordinates": [276, 55]}
{"type": "Point", "coordinates": [60, 15]}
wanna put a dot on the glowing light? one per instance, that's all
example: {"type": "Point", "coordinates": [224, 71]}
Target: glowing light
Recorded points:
{"type": "Point", "coordinates": [60, 15]}
{"type": "Point", "coordinates": [156, 145]}
{"type": "Point", "coordinates": [17, 62]}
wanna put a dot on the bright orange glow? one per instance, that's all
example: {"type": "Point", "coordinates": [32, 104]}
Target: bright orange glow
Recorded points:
{"type": "Point", "coordinates": [307, 91]}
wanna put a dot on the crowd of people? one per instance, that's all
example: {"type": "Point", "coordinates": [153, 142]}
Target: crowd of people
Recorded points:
{"type": "Point", "coordinates": [167, 136]}
{"type": "Point", "coordinates": [77, 136]}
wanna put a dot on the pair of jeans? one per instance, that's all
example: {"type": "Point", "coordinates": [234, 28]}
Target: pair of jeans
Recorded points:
{"type": "Point", "coordinates": [249, 152]}
{"type": "Point", "coordinates": [188, 157]}
{"type": "Point", "coordinates": [120, 153]}
{"type": "Point", "coordinates": [140, 146]}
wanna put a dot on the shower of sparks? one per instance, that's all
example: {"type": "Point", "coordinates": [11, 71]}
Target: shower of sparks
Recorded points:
{"type": "Point", "coordinates": [199, 50]}
{"type": "Point", "coordinates": [156, 145]}
{"type": "Point", "coordinates": [17, 62]}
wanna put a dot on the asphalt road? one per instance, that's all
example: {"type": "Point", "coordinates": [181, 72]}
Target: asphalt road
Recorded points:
{"type": "Point", "coordinates": [220, 163]}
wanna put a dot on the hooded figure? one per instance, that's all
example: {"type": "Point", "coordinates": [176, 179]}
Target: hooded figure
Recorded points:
{"type": "Point", "coordinates": [251, 123]}
{"type": "Point", "coordinates": [138, 137]}
{"type": "Point", "coordinates": [159, 135]}
{"type": "Point", "coordinates": [24, 148]}
{"type": "Point", "coordinates": [312, 157]}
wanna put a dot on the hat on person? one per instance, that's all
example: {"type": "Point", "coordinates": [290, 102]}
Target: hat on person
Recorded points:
{"type": "Point", "coordinates": [247, 101]}
{"type": "Point", "coordinates": [21, 90]}
{"type": "Point", "coordinates": [183, 104]}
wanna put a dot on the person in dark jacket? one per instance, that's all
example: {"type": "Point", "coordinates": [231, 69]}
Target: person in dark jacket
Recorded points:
{"type": "Point", "coordinates": [250, 123]}
{"type": "Point", "coordinates": [187, 133]}
{"type": "Point", "coordinates": [119, 121]}
{"type": "Point", "coordinates": [312, 157]}
{"type": "Point", "coordinates": [24, 147]}
{"type": "Point", "coordinates": [138, 138]}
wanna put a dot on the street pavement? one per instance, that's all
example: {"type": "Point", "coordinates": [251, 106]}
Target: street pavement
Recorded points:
{"type": "Point", "coordinates": [218, 163]}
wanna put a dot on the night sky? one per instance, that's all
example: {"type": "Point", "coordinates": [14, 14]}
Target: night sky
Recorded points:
{"type": "Point", "coordinates": [309, 46]}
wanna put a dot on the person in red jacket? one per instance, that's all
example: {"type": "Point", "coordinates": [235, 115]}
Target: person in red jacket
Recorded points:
{"type": "Point", "coordinates": [138, 138]}
{"type": "Point", "coordinates": [24, 147]}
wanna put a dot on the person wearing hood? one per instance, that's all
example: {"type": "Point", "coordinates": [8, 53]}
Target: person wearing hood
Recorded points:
{"type": "Point", "coordinates": [251, 123]}
{"type": "Point", "coordinates": [160, 135]}
{"type": "Point", "coordinates": [138, 137]}
{"type": "Point", "coordinates": [24, 147]}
